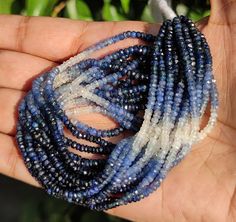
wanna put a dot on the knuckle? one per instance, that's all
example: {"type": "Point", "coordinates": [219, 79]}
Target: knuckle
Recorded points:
{"type": "Point", "coordinates": [22, 31]}
{"type": "Point", "coordinates": [76, 44]}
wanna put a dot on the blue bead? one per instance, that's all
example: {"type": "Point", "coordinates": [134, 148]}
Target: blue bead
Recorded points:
{"type": "Point", "coordinates": [171, 77]}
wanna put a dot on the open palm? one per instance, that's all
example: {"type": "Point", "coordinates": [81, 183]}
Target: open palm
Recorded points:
{"type": "Point", "coordinates": [203, 186]}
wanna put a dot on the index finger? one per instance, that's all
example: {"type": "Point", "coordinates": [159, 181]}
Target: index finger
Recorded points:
{"type": "Point", "coordinates": [57, 38]}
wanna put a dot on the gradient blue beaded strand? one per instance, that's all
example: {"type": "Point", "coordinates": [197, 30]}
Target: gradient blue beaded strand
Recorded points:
{"type": "Point", "coordinates": [169, 80]}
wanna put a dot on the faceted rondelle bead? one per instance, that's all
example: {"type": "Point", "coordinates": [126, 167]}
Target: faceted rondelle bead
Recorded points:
{"type": "Point", "coordinates": [156, 92]}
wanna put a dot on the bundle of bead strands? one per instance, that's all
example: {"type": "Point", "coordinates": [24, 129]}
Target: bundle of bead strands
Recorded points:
{"type": "Point", "coordinates": [170, 79]}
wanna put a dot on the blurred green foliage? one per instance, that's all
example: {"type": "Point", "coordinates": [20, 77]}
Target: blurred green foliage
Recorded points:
{"type": "Point", "coordinates": [100, 10]}
{"type": "Point", "coordinates": [52, 210]}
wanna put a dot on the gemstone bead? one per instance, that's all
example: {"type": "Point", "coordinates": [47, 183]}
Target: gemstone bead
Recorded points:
{"type": "Point", "coordinates": [156, 92]}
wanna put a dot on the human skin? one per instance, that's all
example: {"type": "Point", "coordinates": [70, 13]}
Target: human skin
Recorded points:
{"type": "Point", "coordinates": [203, 186]}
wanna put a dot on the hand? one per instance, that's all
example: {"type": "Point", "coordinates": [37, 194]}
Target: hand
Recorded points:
{"type": "Point", "coordinates": [202, 186]}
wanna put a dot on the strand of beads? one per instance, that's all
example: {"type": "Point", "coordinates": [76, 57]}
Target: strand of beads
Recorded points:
{"type": "Point", "coordinates": [169, 79]}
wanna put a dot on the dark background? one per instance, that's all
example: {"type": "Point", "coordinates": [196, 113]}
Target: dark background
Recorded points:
{"type": "Point", "coordinates": [23, 203]}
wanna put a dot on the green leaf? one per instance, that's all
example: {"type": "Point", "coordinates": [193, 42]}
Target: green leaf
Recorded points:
{"type": "Point", "coordinates": [125, 5]}
{"type": "Point", "coordinates": [194, 15]}
{"type": "Point", "coordinates": [83, 10]}
{"type": "Point", "coordinates": [146, 16]}
{"type": "Point", "coordinates": [206, 13]}
{"type": "Point", "coordinates": [70, 10]}
{"type": "Point", "coordinates": [110, 13]}
{"type": "Point", "coordinates": [78, 9]}
{"type": "Point", "coordinates": [136, 9]}
{"type": "Point", "coordinates": [181, 9]}
{"type": "Point", "coordinates": [6, 6]}
{"type": "Point", "coordinates": [39, 7]}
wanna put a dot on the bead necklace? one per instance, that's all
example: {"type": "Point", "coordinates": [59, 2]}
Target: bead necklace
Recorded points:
{"type": "Point", "coordinates": [169, 79]}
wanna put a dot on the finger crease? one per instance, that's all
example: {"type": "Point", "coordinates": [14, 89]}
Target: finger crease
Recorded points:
{"type": "Point", "coordinates": [12, 161]}
{"type": "Point", "coordinates": [77, 42]}
{"type": "Point", "coordinates": [21, 32]}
